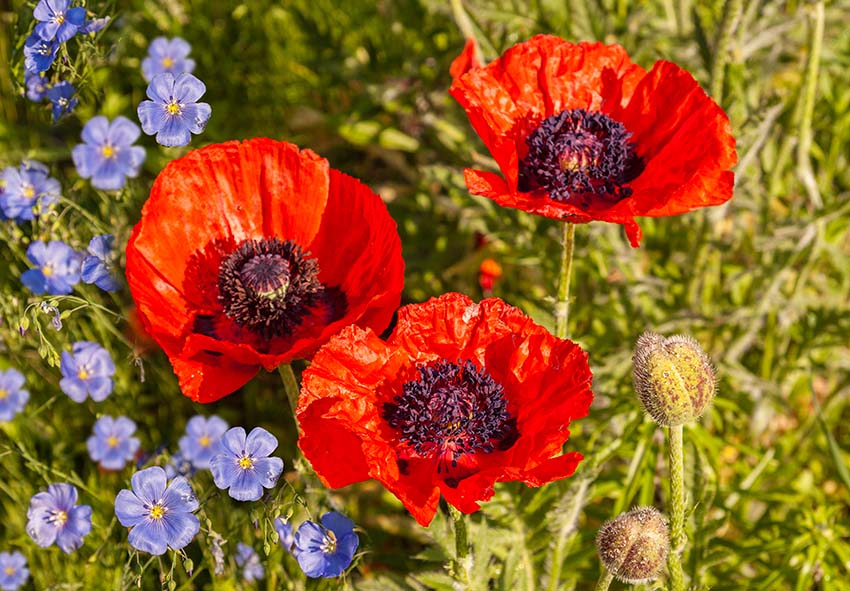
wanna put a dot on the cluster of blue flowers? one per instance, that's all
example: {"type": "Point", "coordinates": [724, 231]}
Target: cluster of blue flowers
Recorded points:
{"type": "Point", "coordinates": [173, 112]}
{"type": "Point", "coordinates": [56, 23]}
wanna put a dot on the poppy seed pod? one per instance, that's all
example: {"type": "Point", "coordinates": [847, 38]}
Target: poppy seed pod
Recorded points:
{"type": "Point", "coordinates": [633, 546]}
{"type": "Point", "coordinates": [673, 377]}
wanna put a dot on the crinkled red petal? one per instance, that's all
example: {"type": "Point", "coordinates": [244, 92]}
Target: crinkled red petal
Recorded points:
{"type": "Point", "coordinates": [205, 204]}
{"type": "Point", "coordinates": [507, 99]}
{"type": "Point", "coordinates": [466, 61]}
{"type": "Point", "coordinates": [682, 135]}
{"type": "Point", "coordinates": [546, 382]}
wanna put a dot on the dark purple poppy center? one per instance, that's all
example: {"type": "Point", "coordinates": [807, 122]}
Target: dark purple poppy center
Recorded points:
{"type": "Point", "coordinates": [268, 286]}
{"type": "Point", "coordinates": [578, 156]}
{"type": "Point", "coordinates": [450, 410]}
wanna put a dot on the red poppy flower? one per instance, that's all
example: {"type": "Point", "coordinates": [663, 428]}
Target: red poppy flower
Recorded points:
{"type": "Point", "coordinates": [461, 396]}
{"type": "Point", "coordinates": [253, 254]}
{"type": "Point", "coordinates": [581, 133]}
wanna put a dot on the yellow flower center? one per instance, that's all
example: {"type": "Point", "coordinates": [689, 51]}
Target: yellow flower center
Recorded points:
{"type": "Point", "coordinates": [47, 270]}
{"type": "Point", "coordinates": [167, 62]}
{"type": "Point", "coordinates": [173, 108]}
{"type": "Point", "coordinates": [29, 191]}
{"type": "Point", "coordinates": [3, 394]}
{"type": "Point", "coordinates": [83, 374]}
{"type": "Point", "coordinates": [60, 18]}
{"type": "Point", "coordinates": [59, 518]}
{"type": "Point", "coordinates": [112, 441]}
{"type": "Point", "coordinates": [204, 441]}
{"type": "Point", "coordinates": [107, 151]}
{"type": "Point", "coordinates": [157, 512]}
{"type": "Point", "coordinates": [10, 570]}
{"type": "Point", "coordinates": [246, 463]}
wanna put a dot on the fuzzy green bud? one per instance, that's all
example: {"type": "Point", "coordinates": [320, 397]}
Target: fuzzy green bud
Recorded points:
{"type": "Point", "coordinates": [633, 546]}
{"type": "Point", "coordinates": [674, 378]}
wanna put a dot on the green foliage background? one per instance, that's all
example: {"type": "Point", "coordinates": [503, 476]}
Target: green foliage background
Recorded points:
{"type": "Point", "coordinates": [762, 282]}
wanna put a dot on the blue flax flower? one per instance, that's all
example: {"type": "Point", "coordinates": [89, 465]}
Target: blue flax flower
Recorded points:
{"type": "Point", "coordinates": [13, 571]}
{"type": "Point", "coordinates": [54, 516]}
{"type": "Point", "coordinates": [13, 397]}
{"type": "Point", "coordinates": [88, 370]}
{"type": "Point", "coordinates": [173, 111]}
{"type": "Point", "coordinates": [112, 444]}
{"type": "Point", "coordinates": [247, 558]}
{"type": "Point", "coordinates": [285, 534]}
{"type": "Point", "coordinates": [37, 86]}
{"type": "Point", "coordinates": [201, 441]}
{"type": "Point", "coordinates": [108, 155]}
{"type": "Point", "coordinates": [62, 96]}
{"type": "Point", "coordinates": [326, 550]}
{"type": "Point", "coordinates": [243, 466]}
{"type": "Point", "coordinates": [167, 55]}
{"type": "Point", "coordinates": [57, 20]}
{"type": "Point", "coordinates": [38, 54]}
{"type": "Point", "coordinates": [97, 267]}
{"type": "Point", "coordinates": [57, 268]}
{"type": "Point", "coordinates": [160, 515]}
{"type": "Point", "coordinates": [179, 466]}
{"type": "Point", "coordinates": [93, 25]}
{"type": "Point", "coordinates": [29, 188]}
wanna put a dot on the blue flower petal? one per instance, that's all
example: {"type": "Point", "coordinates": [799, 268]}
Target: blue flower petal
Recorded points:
{"type": "Point", "coordinates": [245, 487]}
{"type": "Point", "coordinates": [180, 528]}
{"type": "Point", "coordinates": [123, 132]}
{"type": "Point", "coordinates": [129, 509]}
{"type": "Point", "coordinates": [35, 281]}
{"type": "Point", "coordinates": [179, 496]}
{"type": "Point", "coordinates": [96, 131]}
{"type": "Point", "coordinates": [260, 443]}
{"type": "Point", "coordinates": [268, 470]}
{"type": "Point", "coordinates": [233, 441]}
{"type": "Point", "coordinates": [188, 88]}
{"type": "Point", "coordinates": [76, 16]}
{"type": "Point", "coordinates": [152, 116]}
{"type": "Point", "coordinates": [338, 523]}
{"type": "Point", "coordinates": [149, 484]}
{"type": "Point", "coordinates": [74, 388]}
{"type": "Point", "coordinates": [100, 388]}
{"type": "Point", "coordinates": [224, 470]}
{"type": "Point", "coordinates": [196, 116]}
{"type": "Point", "coordinates": [86, 159]}
{"type": "Point", "coordinates": [149, 536]}
{"type": "Point", "coordinates": [175, 132]}
{"type": "Point", "coordinates": [161, 88]}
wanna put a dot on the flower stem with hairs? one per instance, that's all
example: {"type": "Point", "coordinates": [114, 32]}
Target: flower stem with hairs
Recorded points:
{"type": "Point", "coordinates": [677, 509]}
{"type": "Point", "coordinates": [562, 307]}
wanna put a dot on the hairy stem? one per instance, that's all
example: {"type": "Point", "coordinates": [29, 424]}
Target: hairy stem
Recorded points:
{"type": "Point", "coordinates": [562, 307]}
{"type": "Point", "coordinates": [677, 509]}
{"type": "Point", "coordinates": [290, 386]}
{"type": "Point", "coordinates": [462, 550]}
{"type": "Point", "coordinates": [604, 581]}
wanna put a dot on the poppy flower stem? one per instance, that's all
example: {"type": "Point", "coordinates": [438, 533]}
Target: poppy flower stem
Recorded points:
{"type": "Point", "coordinates": [677, 508]}
{"type": "Point", "coordinates": [562, 307]}
{"type": "Point", "coordinates": [290, 385]}
{"type": "Point", "coordinates": [462, 554]}
{"type": "Point", "coordinates": [604, 581]}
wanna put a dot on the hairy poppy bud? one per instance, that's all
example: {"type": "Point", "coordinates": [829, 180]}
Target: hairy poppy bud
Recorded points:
{"type": "Point", "coordinates": [633, 546]}
{"type": "Point", "coordinates": [674, 378]}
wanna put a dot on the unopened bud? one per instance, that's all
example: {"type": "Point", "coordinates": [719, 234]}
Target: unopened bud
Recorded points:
{"type": "Point", "coordinates": [674, 378]}
{"type": "Point", "coordinates": [633, 547]}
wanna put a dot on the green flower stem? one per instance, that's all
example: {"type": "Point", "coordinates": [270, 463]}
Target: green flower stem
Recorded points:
{"type": "Point", "coordinates": [604, 581]}
{"type": "Point", "coordinates": [290, 386]}
{"type": "Point", "coordinates": [562, 307]}
{"type": "Point", "coordinates": [677, 509]}
{"type": "Point", "coordinates": [809, 90]}
{"type": "Point", "coordinates": [731, 14]}
{"type": "Point", "coordinates": [462, 550]}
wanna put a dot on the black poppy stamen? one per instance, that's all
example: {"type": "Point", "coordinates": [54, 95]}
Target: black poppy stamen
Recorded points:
{"type": "Point", "coordinates": [452, 409]}
{"type": "Point", "coordinates": [268, 286]}
{"type": "Point", "coordinates": [579, 156]}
